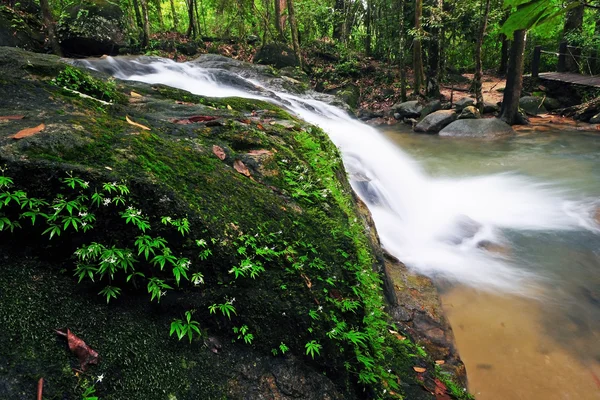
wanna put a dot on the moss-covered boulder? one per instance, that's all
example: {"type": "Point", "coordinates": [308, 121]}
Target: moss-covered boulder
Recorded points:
{"type": "Point", "coordinates": [91, 28]}
{"type": "Point", "coordinates": [20, 29]}
{"type": "Point", "coordinates": [139, 211]}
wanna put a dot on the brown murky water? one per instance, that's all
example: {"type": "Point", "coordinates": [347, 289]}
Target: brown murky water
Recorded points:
{"type": "Point", "coordinates": [508, 353]}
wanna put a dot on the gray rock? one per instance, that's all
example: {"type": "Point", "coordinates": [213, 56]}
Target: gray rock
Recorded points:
{"type": "Point", "coordinates": [551, 103]}
{"type": "Point", "coordinates": [431, 107]}
{"type": "Point", "coordinates": [464, 102]}
{"type": "Point", "coordinates": [485, 128]}
{"type": "Point", "coordinates": [408, 109]}
{"type": "Point", "coordinates": [434, 122]}
{"type": "Point", "coordinates": [490, 108]}
{"type": "Point", "coordinates": [469, 112]}
{"type": "Point", "coordinates": [532, 105]}
{"type": "Point", "coordinates": [279, 55]}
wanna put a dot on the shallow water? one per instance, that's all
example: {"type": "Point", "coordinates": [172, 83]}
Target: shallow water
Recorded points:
{"type": "Point", "coordinates": [547, 345]}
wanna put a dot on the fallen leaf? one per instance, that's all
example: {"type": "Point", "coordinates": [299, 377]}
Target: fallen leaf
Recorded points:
{"type": "Point", "coordinates": [259, 152]}
{"type": "Point", "coordinates": [201, 118]}
{"type": "Point", "coordinates": [129, 121]}
{"type": "Point", "coordinates": [229, 107]}
{"type": "Point", "coordinates": [29, 131]}
{"type": "Point", "coordinates": [85, 354]}
{"type": "Point", "coordinates": [40, 389]}
{"type": "Point", "coordinates": [308, 282]}
{"type": "Point", "coordinates": [245, 121]}
{"type": "Point", "coordinates": [440, 362]}
{"type": "Point", "coordinates": [219, 152]}
{"type": "Point", "coordinates": [440, 388]}
{"type": "Point", "coordinates": [187, 103]}
{"type": "Point", "coordinates": [419, 369]}
{"type": "Point", "coordinates": [134, 94]}
{"type": "Point", "coordinates": [260, 127]}
{"type": "Point", "coordinates": [397, 335]}
{"type": "Point", "coordinates": [240, 167]}
{"type": "Point", "coordinates": [11, 117]}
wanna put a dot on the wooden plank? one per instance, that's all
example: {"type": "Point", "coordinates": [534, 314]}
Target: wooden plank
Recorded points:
{"type": "Point", "coordinates": [569, 77]}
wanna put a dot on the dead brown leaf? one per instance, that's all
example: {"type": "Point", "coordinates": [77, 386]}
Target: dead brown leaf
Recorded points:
{"type": "Point", "coordinates": [440, 362]}
{"type": "Point", "coordinates": [11, 117]}
{"type": "Point", "coordinates": [306, 280]}
{"type": "Point", "coordinates": [134, 94]}
{"type": "Point", "coordinates": [240, 167]}
{"type": "Point", "coordinates": [29, 131]}
{"type": "Point", "coordinates": [419, 369]}
{"type": "Point", "coordinates": [85, 354]}
{"type": "Point", "coordinates": [219, 152]}
{"type": "Point", "coordinates": [129, 121]}
{"type": "Point", "coordinates": [397, 335]}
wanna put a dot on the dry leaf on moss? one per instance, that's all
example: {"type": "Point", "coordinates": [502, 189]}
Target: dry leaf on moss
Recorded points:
{"type": "Point", "coordinates": [129, 121]}
{"type": "Point", "coordinates": [23, 133]}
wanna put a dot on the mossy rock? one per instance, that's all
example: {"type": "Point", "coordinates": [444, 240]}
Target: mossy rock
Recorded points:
{"type": "Point", "coordinates": [252, 192]}
{"type": "Point", "coordinates": [20, 30]}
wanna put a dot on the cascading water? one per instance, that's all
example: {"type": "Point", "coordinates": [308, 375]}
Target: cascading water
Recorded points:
{"type": "Point", "coordinates": [438, 227]}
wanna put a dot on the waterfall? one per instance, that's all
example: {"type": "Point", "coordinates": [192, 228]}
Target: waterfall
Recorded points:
{"type": "Point", "coordinates": [438, 227]}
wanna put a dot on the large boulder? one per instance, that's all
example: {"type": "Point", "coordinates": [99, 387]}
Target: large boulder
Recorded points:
{"type": "Point", "coordinates": [92, 28]}
{"type": "Point", "coordinates": [436, 121]}
{"type": "Point", "coordinates": [487, 128]}
{"type": "Point", "coordinates": [532, 105]}
{"type": "Point", "coordinates": [20, 30]}
{"type": "Point", "coordinates": [408, 109]}
{"type": "Point", "coordinates": [278, 55]}
{"type": "Point", "coordinates": [348, 93]}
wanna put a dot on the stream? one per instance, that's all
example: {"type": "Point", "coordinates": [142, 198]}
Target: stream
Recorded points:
{"type": "Point", "coordinates": [505, 228]}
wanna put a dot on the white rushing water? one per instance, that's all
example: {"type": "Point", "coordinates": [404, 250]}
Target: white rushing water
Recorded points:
{"type": "Point", "coordinates": [435, 226]}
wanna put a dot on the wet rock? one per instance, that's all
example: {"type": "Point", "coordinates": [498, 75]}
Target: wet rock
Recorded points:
{"type": "Point", "coordinates": [493, 247]}
{"type": "Point", "coordinates": [348, 93]}
{"type": "Point", "coordinates": [464, 102]}
{"type": "Point", "coordinates": [431, 107]}
{"type": "Point", "coordinates": [595, 119]}
{"type": "Point", "coordinates": [408, 109]}
{"type": "Point", "coordinates": [462, 229]}
{"type": "Point", "coordinates": [485, 128]}
{"type": "Point", "coordinates": [278, 55]}
{"type": "Point", "coordinates": [365, 114]}
{"type": "Point", "coordinates": [532, 105]}
{"type": "Point", "coordinates": [436, 121]}
{"type": "Point", "coordinates": [93, 28]}
{"type": "Point", "coordinates": [469, 112]}
{"type": "Point", "coordinates": [552, 104]}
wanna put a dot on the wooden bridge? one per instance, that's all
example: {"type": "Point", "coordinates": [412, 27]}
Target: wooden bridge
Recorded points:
{"type": "Point", "coordinates": [565, 54]}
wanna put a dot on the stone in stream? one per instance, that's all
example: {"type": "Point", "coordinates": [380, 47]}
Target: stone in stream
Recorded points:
{"type": "Point", "coordinates": [434, 122]}
{"type": "Point", "coordinates": [464, 102]}
{"type": "Point", "coordinates": [408, 109]}
{"type": "Point", "coordinates": [485, 128]}
{"type": "Point", "coordinates": [431, 107]}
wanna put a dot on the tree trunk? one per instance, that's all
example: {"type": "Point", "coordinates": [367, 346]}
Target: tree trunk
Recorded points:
{"type": "Point", "coordinates": [514, 80]}
{"type": "Point", "coordinates": [174, 12]}
{"type": "Point", "coordinates": [368, 27]}
{"type": "Point", "coordinates": [433, 65]}
{"type": "Point", "coordinates": [146, 22]}
{"type": "Point", "coordinates": [478, 66]}
{"type": "Point", "coordinates": [161, 21]}
{"type": "Point", "coordinates": [280, 19]}
{"type": "Point", "coordinates": [417, 52]}
{"type": "Point", "coordinates": [402, 53]}
{"type": "Point", "coordinates": [573, 27]}
{"type": "Point", "coordinates": [338, 19]}
{"type": "Point", "coordinates": [294, 29]}
{"type": "Point", "coordinates": [504, 55]}
{"type": "Point", "coordinates": [191, 31]}
{"type": "Point", "coordinates": [138, 15]}
{"type": "Point", "coordinates": [49, 22]}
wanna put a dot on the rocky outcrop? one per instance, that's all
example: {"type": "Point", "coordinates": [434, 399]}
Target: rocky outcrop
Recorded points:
{"type": "Point", "coordinates": [232, 167]}
{"type": "Point", "coordinates": [485, 128]}
{"type": "Point", "coordinates": [92, 28]}
{"type": "Point", "coordinates": [435, 122]}
{"type": "Point", "coordinates": [20, 30]}
{"type": "Point", "coordinates": [278, 55]}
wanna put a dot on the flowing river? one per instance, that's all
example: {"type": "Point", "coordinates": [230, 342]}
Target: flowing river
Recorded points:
{"type": "Point", "coordinates": [507, 229]}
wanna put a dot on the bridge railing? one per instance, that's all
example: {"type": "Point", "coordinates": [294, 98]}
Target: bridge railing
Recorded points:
{"type": "Point", "coordinates": [565, 53]}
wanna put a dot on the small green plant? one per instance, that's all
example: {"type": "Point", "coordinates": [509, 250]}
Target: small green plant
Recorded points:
{"type": "Point", "coordinates": [226, 308]}
{"type": "Point", "coordinates": [312, 348]}
{"type": "Point", "coordinates": [75, 79]}
{"type": "Point", "coordinates": [188, 328]}
{"type": "Point", "coordinates": [243, 332]}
